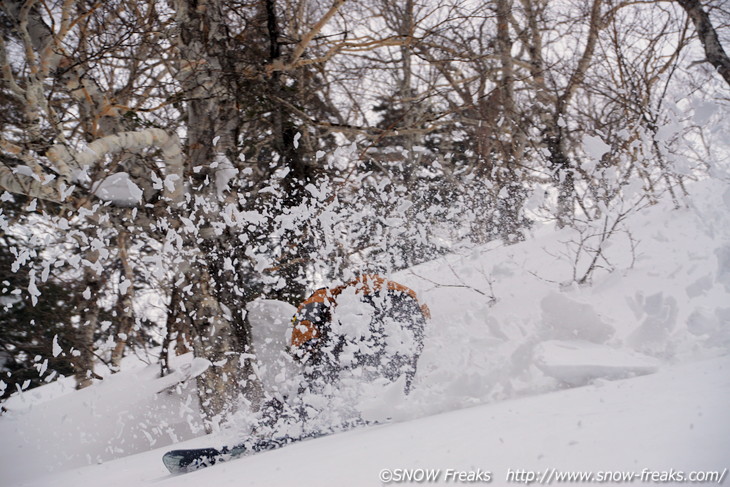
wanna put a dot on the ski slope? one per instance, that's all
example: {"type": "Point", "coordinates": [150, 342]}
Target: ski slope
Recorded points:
{"type": "Point", "coordinates": [675, 419]}
{"type": "Point", "coordinates": [522, 370]}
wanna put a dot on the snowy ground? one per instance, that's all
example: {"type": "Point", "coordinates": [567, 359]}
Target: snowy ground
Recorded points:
{"type": "Point", "coordinates": [521, 371]}
{"type": "Point", "coordinates": [676, 419]}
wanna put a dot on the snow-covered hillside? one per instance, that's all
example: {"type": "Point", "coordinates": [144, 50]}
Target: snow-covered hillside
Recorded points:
{"type": "Point", "coordinates": [512, 336]}
{"type": "Point", "coordinates": [673, 420]}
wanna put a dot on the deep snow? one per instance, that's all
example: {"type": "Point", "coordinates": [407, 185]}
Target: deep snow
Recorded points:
{"type": "Point", "coordinates": [676, 419]}
{"type": "Point", "coordinates": [508, 331]}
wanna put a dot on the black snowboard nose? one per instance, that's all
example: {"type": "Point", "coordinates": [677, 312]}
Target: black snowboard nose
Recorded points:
{"type": "Point", "coordinates": [185, 460]}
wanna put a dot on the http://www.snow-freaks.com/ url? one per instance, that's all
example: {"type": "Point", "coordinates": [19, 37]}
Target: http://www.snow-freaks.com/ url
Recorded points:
{"type": "Point", "coordinates": [548, 476]}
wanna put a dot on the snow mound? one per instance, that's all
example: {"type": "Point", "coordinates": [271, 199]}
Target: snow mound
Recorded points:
{"type": "Point", "coordinates": [566, 318]}
{"type": "Point", "coordinates": [578, 362]}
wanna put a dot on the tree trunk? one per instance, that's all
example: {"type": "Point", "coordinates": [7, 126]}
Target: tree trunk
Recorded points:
{"type": "Point", "coordinates": [513, 141]}
{"type": "Point", "coordinates": [560, 163]}
{"type": "Point", "coordinates": [294, 256]}
{"type": "Point", "coordinates": [714, 51]}
{"type": "Point", "coordinates": [211, 116]}
{"type": "Point", "coordinates": [176, 335]}
{"type": "Point", "coordinates": [222, 385]}
{"type": "Point", "coordinates": [125, 307]}
{"type": "Point", "coordinates": [83, 356]}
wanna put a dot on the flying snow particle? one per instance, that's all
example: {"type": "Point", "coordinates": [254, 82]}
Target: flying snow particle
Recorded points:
{"type": "Point", "coordinates": [156, 181]}
{"type": "Point", "coordinates": [403, 206]}
{"type": "Point", "coordinates": [43, 367]}
{"type": "Point", "coordinates": [297, 136]}
{"type": "Point", "coordinates": [66, 190]}
{"type": "Point", "coordinates": [281, 172]}
{"type": "Point", "coordinates": [134, 191]}
{"type": "Point", "coordinates": [63, 224]}
{"type": "Point", "coordinates": [170, 182]}
{"type": "Point", "coordinates": [56, 347]}
{"type": "Point", "coordinates": [33, 289]}
{"type": "Point", "coordinates": [595, 147]}
{"type": "Point", "coordinates": [25, 171]}
{"type": "Point", "coordinates": [124, 286]}
{"type": "Point", "coordinates": [227, 314]}
{"type": "Point", "coordinates": [198, 366]}
{"type": "Point", "coordinates": [316, 192]}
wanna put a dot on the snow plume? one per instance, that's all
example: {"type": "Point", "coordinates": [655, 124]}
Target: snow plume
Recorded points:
{"type": "Point", "coordinates": [312, 404]}
{"type": "Point", "coordinates": [507, 321]}
{"type": "Point", "coordinates": [561, 309]}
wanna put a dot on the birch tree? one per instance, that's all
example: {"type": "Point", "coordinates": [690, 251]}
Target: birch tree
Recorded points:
{"type": "Point", "coordinates": [715, 52]}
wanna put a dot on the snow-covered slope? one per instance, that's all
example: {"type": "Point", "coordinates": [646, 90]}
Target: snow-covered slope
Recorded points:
{"type": "Point", "coordinates": [124, 414]}
{"type": "Point", "coordinates": [673, 420]}
{"type": "Point", "coordinates": [667, 300]}
{"type": "Point", "coordinates": [509, 329]}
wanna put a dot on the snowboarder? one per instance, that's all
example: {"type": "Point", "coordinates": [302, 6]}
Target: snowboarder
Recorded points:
{"type": "Point", "coordinates": [370, 323]}
{"type": "Point", "coordinates": [370, 328]}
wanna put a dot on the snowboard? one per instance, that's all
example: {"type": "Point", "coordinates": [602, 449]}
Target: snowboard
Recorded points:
{"type": "Point", "coordinates": [189, 460]}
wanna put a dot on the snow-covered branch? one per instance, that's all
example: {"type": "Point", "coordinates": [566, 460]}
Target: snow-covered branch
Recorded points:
{"type": "Point", "coordinates": [132, 141]}
{"type": "Point", "coordinates": [68, 161]}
